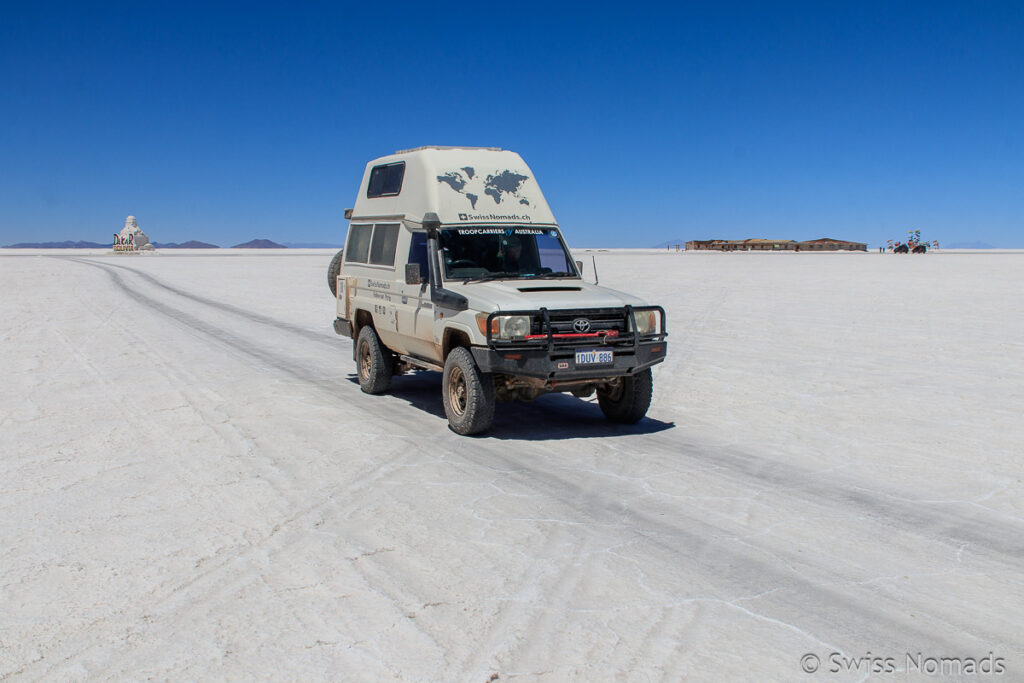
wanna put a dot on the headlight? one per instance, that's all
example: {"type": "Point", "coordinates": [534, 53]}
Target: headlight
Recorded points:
{"type": "Point", "coordinates": [505, 327]}
{"type": "Point", "coordinates": [514, 326]}
{"type": "Point", "coordinates": [646, 321]}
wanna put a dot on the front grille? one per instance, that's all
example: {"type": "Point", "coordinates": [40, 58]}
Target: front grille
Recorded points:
{"type": "Point", "coordinates": [604, 326]}
{"type": "Point", "coordinates": [557, 329]}
{"type": "Point", "coordinates": [600, 320]}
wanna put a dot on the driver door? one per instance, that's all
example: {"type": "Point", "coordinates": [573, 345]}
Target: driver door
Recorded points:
{"type": "Point", "coordinates": [415, 310]}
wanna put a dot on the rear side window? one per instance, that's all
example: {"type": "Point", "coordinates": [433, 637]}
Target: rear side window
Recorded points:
{"type": "Point", "coordinates": [358, 243]}
{"type": "Point", "coordinates": [386, 180]}
{"type": "Point", "coordinates": [385, 237]}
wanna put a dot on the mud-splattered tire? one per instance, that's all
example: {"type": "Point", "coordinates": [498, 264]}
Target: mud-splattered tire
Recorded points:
{"type": "Point", "coordinates": [373, 362]}
{"type": "Point", "coordinates": [333, 271]}
{"type": "Point", "coordinates": [468, 394]}
{"type": "Point", "coordinates": [628, 402]}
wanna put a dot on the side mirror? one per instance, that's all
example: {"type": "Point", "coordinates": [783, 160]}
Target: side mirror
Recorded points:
{"type": "Point", "coordinates": [412, 274]}
{"type": "Point", "coordinates": [579, 267]}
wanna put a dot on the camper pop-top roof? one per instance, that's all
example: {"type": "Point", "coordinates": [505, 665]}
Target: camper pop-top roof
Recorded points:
{"type": "Point", "coordinates": [462, 185]}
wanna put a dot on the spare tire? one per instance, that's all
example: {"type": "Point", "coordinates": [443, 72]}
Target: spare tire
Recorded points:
{"type": "Point", "coordinates": [332, 273]}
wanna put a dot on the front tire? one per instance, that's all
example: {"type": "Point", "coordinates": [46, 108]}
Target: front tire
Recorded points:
{"type": "Point", "coordinates": [468, 394]}
{"type": "Point", "coordinates": [628, 401]}
{"type": "Point", "coordinates": [373, 362]}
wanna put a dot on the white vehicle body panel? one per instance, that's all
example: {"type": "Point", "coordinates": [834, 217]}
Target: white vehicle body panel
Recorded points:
{"type": "Point", "coordinates": [510, 295]}
{"type": "Point", "coordinates": [462, 186]}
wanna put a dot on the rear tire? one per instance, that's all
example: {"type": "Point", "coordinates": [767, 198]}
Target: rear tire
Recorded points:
{"type": "Point", "coordinates": [373, 362]}
{"type": "Point", "coordinates": [333, 271]}
{"type": "Point", "coordinates": [628, 402]}
{"type": "Point", "coordinates": [468, 394]}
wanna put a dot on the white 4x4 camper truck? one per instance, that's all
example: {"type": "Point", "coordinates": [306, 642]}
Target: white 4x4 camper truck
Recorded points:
{"type": "Point", "coordinates": [455, 263]}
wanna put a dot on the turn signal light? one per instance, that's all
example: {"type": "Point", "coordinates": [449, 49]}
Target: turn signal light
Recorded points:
{"type": "Point", "coordinates": [481, 323]}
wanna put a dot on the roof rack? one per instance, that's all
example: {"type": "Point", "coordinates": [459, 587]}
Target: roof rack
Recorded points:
{"type": "Point", "coordinates": [417, 149]}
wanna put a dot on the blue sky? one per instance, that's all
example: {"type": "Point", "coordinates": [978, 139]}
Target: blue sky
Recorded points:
{"type": "Point", "coordinates": [643, 123]}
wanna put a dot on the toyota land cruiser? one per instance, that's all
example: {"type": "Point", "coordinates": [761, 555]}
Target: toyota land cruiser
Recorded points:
{"type": "Point", "coordinates": [454, 263]}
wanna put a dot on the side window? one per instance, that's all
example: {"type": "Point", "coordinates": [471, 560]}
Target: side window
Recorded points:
{"type": "Point", "coordinates": [385, 238]}
{"type": "Point", "coordinates": [358, 243]}
{"type": "Point", "coordinates": [551, 254]}
{"type": "Point", "coordinates": [418, 252]}
{"type": "Point", "coordinates": [386, 180]}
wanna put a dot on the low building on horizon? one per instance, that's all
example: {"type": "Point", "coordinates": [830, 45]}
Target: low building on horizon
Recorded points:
{"type": "Point", "coordinates": [761, 244]}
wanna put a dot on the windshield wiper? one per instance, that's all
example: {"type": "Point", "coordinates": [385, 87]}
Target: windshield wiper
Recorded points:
{"type": "Point", "coordinates": [511, 275]}
{"type": "Point", "coordinates": [548, 276]}
{"type": "Point", "coordinates": [491, 276]}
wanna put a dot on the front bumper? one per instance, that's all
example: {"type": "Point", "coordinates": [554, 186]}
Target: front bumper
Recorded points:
{"type": "Point", "coordinates": [559, 365]}
{"type": "Point", "coordinates": [549, 353]}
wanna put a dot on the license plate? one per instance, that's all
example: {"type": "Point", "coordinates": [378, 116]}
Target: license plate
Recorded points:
{"type": "Point", "coordinates": [594, 357]}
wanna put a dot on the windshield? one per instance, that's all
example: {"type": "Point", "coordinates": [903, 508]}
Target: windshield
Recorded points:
{"type": "Point", "coordinates": [499, 253]}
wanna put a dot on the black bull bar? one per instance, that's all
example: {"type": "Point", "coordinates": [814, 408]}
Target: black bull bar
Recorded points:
{"type": "Point", "coordinates": [548, 354]}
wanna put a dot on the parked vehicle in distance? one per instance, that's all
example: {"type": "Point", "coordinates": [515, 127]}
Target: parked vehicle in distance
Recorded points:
{"type": "Point", "coordinates": [455, 263]}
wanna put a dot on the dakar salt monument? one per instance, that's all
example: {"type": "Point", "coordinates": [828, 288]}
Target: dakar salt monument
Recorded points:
{"type": "Point", "coordinates": [131, 238]}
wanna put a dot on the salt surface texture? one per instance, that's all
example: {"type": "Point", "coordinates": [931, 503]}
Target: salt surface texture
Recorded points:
{"type": "Point", "coordinates": [194, 486]}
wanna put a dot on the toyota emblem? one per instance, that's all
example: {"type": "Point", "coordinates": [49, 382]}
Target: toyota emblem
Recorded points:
{"type": "Point", "coordinates": [581, 325]}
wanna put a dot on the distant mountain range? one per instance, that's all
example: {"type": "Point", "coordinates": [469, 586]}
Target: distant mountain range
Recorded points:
{"type": "Point", "coordinates": [259, 244]}
{"type": "Point", "coordinates": [67, 244]}
{"type": "Point", "coordinates": [267, 244]}
{"type": "Point", "coordinates": [312, 245]}
{"type": "Point", "coordinates": [191, 244]}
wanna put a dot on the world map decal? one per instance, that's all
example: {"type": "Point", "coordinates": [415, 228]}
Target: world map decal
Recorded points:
{"type": "Point", "coordinates": [503, 186]}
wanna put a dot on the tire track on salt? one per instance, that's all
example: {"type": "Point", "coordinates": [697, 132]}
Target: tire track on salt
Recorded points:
{"type": "Point", "coordinates": [673, 542]}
